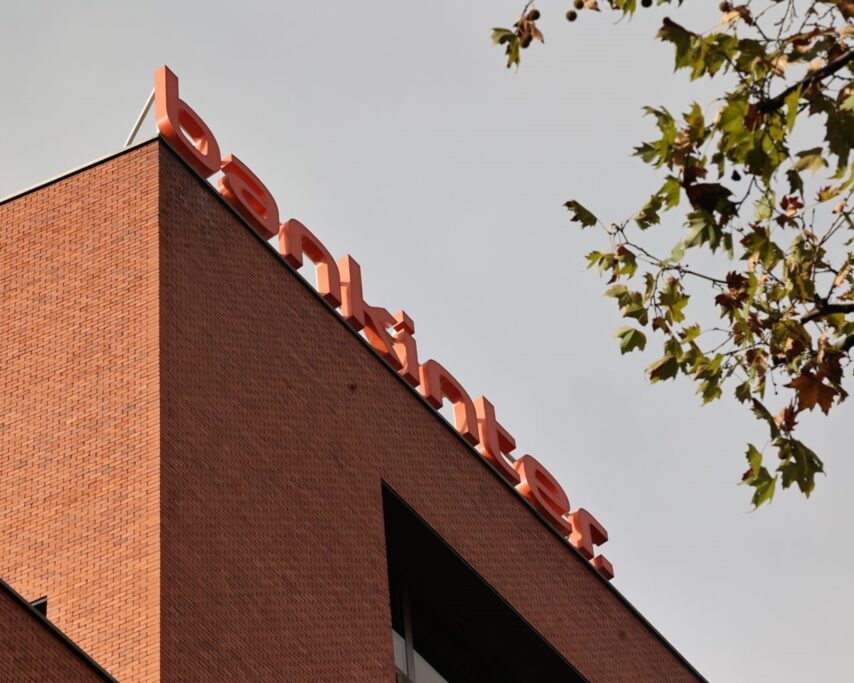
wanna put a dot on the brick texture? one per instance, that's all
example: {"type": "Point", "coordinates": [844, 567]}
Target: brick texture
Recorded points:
{"type": "Point", "coordinates": [279, 428]}
{"type": "Point", "coordinates": [31, 651]}
{"type": "Point", "coordinates": [196, 445]}
{"type": "Point", "coordinates": [79, 435]}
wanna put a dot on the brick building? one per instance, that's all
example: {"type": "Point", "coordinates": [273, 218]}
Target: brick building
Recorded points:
{"type": "Point", "coordinates": [212, 477]}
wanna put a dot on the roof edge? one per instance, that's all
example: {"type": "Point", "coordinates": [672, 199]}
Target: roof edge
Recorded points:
{"type": "Point", "coordinates": [55, 631]}
{"type": "Point", "coordinates": [77, 169]}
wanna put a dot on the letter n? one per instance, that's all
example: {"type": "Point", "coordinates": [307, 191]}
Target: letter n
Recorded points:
{"type": "Point", "coordinates": [436, 383]}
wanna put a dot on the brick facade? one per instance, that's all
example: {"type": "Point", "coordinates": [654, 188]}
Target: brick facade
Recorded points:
{"type": "Point", "coordinates": [193, 447]}
{"type": "Point", "coordinates": [79, 407]}
{"type": "Point", "coordinates": [33, 652]}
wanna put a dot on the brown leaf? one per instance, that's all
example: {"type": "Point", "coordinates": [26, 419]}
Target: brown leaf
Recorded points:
{"type": "Point", "coordinates": [779, 64]}
{"type": "Point", "coordinates": [754, 118]}
{"type": "Point", "coordinates": [831, 367]}
{"type": "Point", "coordinates": [811, 391]}
{"type": "Point", "coordinates": [758, 359]}
{"type": "Point", "coordinates": [660, 324]}
{"type": "Point", "coordinates": [841, 275]}
{"type": "Point", "coordinates": [815, 65]}
{"type": "Point", "coordinates": [708, 196]}
{"type": "Point", "coordinates": [693, 173]}
{"type": "Point", "coordinates": [836, 50]}
{"type": "Point", "coordinates": [791, 205]}
{"type": "Point", "coordinates": [787, 418]}
{"type": "Point", "coordinates": [801, 44]}
{"type": "Point", "coordinates": [736, 281]}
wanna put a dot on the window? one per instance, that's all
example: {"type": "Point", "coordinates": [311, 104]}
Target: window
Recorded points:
{"type": "Point", "coordinates": [406, 658]}
{"type": "Point", "coordinates": [448, 624]}
{"type": "Point", "coordinates": [40, 605]}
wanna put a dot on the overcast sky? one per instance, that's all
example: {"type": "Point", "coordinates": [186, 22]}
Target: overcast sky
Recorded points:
{"type": "Point", "coordinates": [393, 130]}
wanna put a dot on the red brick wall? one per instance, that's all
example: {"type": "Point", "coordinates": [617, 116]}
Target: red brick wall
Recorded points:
{"type": "Point", "coordinates": [228, 525]}
{"type": "Point", "coordinates": [278, 427]}
{"type": "Point", "coordinates": [31, 651]}
{"type": "Point", "coordinates": [79, 407]}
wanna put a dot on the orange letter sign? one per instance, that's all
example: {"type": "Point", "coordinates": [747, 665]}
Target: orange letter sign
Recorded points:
{"type": "Point", "coordinates": [176, 120]}
{"type": "Point", "coordinates": [341, 285]}
{"type": "Point", "coordinates": [437, 382]}
{"type": "Point", "coordinates": [406, 348]}
{"type": "Point", "coordinates": [495, 441]}
{"type": "Point", "coordinates": [294, 239]}
{"type": "Point", "coordinates": [377, 322]}
{"type": "Point", "coordinates": [605, 568]}
{"type": "Point", "coordinates": [242, 189]}
{"type": "Point", "coordinates": [543, 491]}
{"type": "Point", "coordinates": [587, 532]}
{"type": "Point", "coordinates": [352, 304]}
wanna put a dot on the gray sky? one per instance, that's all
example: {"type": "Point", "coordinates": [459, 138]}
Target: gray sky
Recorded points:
{"type": "Point", "coordinates": [393, 131]}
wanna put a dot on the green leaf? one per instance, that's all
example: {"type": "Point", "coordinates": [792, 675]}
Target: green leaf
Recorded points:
{"type": "Point", "coordinates": [501, 35]}
{"type": "Point", "coordinates": [682, 40]}
{"type": "Point", "coordinates": [628, 261]}
{"type": "Point", "coordinates": [839, 135]}
{"type": "Point", "coordinates": [672, 298]}
{"type": "Point", "coordinates": [791, 103]}
{"type": "Point", "coordinates": [762, 413]}
{"type": "Point", "coordinates": [758, 477]}
{"type": "Point", "coordinates": [765, 485]}
{"type": "Point", "coordinates": [710, 389]}
{"type": "Point", "coordinates": [765, 206]}
{"type": "Point", "coordinates": [648, 215]}
{"type": "Point", "coordinates": [796, 183]}
{"type": "Point", "coordinates": [580, 214]}
{"type": "Point", "coordinates": [669, 192]}
{"type": "Point", "coordinates": [703, 228]}
{"type": "Point", "coordinates": [696, 124]}
{"type": "Point", "coordinates": [742, 392]}
{"type": "Point", "coordinates": [630, 339]}
{"type": "Point", "coordinates": [714, 52]}
{"type": "Point", "coordinates": [616, 291]}
{"type": "Point", "coordinates": [511, 42]}
{"type": "Point", "coordinates": [649, 287]}
{"type": "Point", "coordinates": [593, 258]}
{"type": "Point", "coordinates": [690, 333]}
{"type": "Point", "coordinates": [800, 465]}
{"type": "Point", "coordinates": [676, 254]}
{"type": "Point", "coordinates": [810, 160]}
{"type": "Point", "coordinates": [754, 459]}
{"type": "Point", "coordinates": [664, 368]}
{"type": "Point", "coordinates": [512, 51]}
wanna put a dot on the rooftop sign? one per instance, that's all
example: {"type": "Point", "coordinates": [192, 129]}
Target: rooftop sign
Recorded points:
{"type": "Point", "coordinates": [391, 335]}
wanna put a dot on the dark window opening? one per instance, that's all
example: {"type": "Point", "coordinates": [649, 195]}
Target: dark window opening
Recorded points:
{"type": "Point", "coordinates": [448, 624]}
{"type": "Point", "coordinates": [40, 606]}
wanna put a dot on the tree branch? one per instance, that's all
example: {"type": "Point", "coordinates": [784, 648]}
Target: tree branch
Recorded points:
{"type": "Point", "coordinates": [828, 309]}
{"type": "Point", "coordinates": [680, 269]}
{"type": "Point", "coordinates": [831, 67]}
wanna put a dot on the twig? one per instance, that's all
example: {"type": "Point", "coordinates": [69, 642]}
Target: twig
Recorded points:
{"type": "Point", "coordinates": [830, 68]}
{"type": "Point", "coordinates": [827, 309]}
